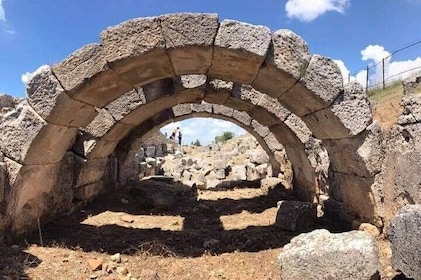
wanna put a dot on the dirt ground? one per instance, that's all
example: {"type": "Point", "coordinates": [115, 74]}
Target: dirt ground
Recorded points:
{"type": "Point", "coordinates": [156, 230]}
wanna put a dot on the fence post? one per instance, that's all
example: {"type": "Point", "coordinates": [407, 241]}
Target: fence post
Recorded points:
{"type": "Point", "coordinates": [384, 82]}
{"type": "Point", "coordinates": [366, 81]}
{"type": "Point", "coordinates": [349, 77]}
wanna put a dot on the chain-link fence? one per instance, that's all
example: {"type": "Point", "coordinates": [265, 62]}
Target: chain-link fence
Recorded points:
{"type": "Point", "coordinates": [397, 66]}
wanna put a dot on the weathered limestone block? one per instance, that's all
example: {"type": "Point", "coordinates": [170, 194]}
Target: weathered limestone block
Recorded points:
{"type": "Point", "coordinates": [357, 196]}
{"type": "Point", "coordinates": [217, 91]}
{"type": "Point", "coordinates": [90, 171]}
{"type": "Point", "coordinates": [257, 156]}
{"type": "Point", "coordinates": [189, 39]}
{"type": "Point", "coordinates": [86, 76]}
{"type": "Point", "coordinates": [90, 147]}
{"type": "Point", "coordinates": [6, 101]}
{"type": "Point", "coordinates": [140, 59]}
{"type": "Point", "coordinates": [222, 110]}
{"type": "Point", "coordinates": [239, 172]}
{"type": "Point", "coordinates": [286, 62]}
{"type": "Point", "coordinates": [261, 130]}
{"type": "Point", "coordinates": [122, 106]}
{"type": "Point", "coordinates": [51, 102]}
{"type": "Point", "coordinates": [296, 215]}
{"type": "Point", "coordinates": [316, 90]}
{"type": "Point", "coordinates": [411, 109]}
{"type": "Point", "coordinates": [361, 155]}
{"type": "Point", "coordinates": [349, 115]}
{"type": "Point", "coordinates": [273, 111]}
{"type": "Point", "coordinates": [412, 85]}
{"type": "Point", "coordinates": [252, 173]}
{"type": "Point", "coordinates": [405, 235]}
{"type": "Point", "coordinates": [212, 183]}
{"type": "Point", "coordinates": [398, 181]}
{"type": "Point", "coordinates": [324, 255]}
{"type": "Point", "coordinates": [89, 192]}
{"type": "Point", "coordinates": [159, 97]}
{"type": "Point", "coordinates": [299, 127]}
{"type": "Point", "coordinates": [243, 98]}
{"type": "Point", "coordinates": [273, 143]}
{"type": "Point", "coordinates": [24, 136]}
{"type": "Point", "coordinates": [242, 117]}
{"type": "Point", "coordinates": [39, 191]}
{"type": "Point", "coordinates": [189, 88]}
{"type": "Point", "coordinates": [182, 109]}
{"type": "Point", "coordinates": [202, 107]}
{"type": "Point", "coordinates": [239, 50]}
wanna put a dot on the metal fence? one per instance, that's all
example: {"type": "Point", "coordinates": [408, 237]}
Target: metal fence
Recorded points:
{"type": "Point", "coordinates": [397, 66]}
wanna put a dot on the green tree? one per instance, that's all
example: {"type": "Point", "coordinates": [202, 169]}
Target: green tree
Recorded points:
{"type": "Point", "coordinates": [226, 135]}
{"type": "Point", "coordinates": [196, 143]}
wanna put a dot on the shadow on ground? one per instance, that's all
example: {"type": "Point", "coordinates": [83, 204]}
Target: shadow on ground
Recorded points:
{"type": "Point", "coordinates": [202, 230]}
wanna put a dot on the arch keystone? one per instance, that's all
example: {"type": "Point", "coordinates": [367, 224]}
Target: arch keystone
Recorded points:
{"type": "Point", "coordinates": [239, 50]}
{"type": "Point", "coordinates": [189, 40]}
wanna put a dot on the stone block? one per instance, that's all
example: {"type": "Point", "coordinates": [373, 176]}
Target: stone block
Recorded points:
{"type": "Point", "coordinates": [405, 235]}
{"type": "Point", "coordinates": [286, 62]}
{"type": "Point", "coordinates": [296, 216]}
{"type": "Point", "coordinates": [317, 89]}
{"type": "Point", "coordinates": [122, 106]}
{"type": "Point", "coordinates": [412, 85]}
{"type": "Point", "coordinates": [324, 255]}
{"type": "Point", "coordinates": [86, 76]}
{"type": "Point", "coordinates": [243, 98]}
{"type": "Point", "coordinates": [239, 172]}
{"type": "Point", "coordinates": [217, 91]}
{"type": "Point", "coordinates": [24, 136]}
{"type": "Point", "coordinates": [239, 50]}
{"type": "Point", "coordinates": [189, 39]}
{"type": "Point", "coordinates": [47, 97]}
{"type": "Point", "coordinates": [140, 59]}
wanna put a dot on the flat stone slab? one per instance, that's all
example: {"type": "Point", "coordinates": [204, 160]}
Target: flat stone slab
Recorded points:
{"type": "Point", "coordinates": [295, 215]}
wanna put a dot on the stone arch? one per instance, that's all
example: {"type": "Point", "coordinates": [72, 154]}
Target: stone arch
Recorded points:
{"type": "Point", "coordinates": [279, 65]}
{"type": "Point", "coordinates": [306, 183]}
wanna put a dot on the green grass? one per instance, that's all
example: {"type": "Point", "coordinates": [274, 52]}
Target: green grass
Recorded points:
{"type": "Point", "coordinates": [380, 95]}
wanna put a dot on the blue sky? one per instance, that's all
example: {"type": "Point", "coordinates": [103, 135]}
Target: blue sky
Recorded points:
{"type": "Point", "coordinates": [354, 32]}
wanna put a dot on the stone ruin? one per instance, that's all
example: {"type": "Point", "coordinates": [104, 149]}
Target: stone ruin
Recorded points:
{"type": "Point", "coordinates": [77, 133]}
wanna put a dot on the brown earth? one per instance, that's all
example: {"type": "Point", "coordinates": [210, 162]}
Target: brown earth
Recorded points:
{"type": "Point", "coordinates": [166, 230]}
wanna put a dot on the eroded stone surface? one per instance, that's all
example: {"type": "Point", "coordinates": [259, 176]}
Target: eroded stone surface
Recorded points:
{"type": "Point", "coordinates": [240, 49]}
{"type": "Point", "coordinates": [404, 235]}
{"type": "Point", "coordinates": [323, 255]}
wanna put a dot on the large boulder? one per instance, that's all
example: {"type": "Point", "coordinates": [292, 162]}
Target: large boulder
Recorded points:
{"type": "Point", "coordinates": [324, 255]}
{"type": "Point", "coordinates": [405, 236]}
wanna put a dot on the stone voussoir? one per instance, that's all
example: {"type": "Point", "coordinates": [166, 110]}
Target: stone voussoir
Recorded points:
{"type": "Point", "coordinates": [48, 98]}
{"type": "Point", "coordinates": [189, 40]}
{"type": "Point", "coordinates": [140, 59]}
{"type": "Point", "coordinates": [319, 87]}
{"type": "Point", "coordinates": [86, 76]}
{"type": "Point", "coordinates": [239, 50]}
{"type": "Point", "coordinates": [285, 63]}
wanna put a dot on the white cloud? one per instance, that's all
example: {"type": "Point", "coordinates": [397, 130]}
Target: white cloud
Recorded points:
{"type": "Point", "coordinates": [2, 13]}
{"type": "Point", "coordinates": [305, 10]}
{"type": "Point", "coordinates": [393, 70]}
{"type": "Point", "coordinates": [374, 52]}
{"type": "Point", "coordinates": [25, 78]}
{"type": "Point", "coordinates": [204, 129]}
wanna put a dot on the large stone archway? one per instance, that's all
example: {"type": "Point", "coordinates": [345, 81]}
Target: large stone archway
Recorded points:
{"type": "Point", "coordinates": [140, 57]}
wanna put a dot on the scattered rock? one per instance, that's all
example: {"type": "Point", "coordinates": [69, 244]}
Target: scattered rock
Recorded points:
{"type": "Point", "coordinates": [116, 258]}
{"type": "Point", "coordinates": [122, 270]}
{"type": "Point", "coordinates": [323, 255]}
{"type": "Point", "coordinates": [94, 263]}
{"type": "Point", "coordinates": [149, 274]}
